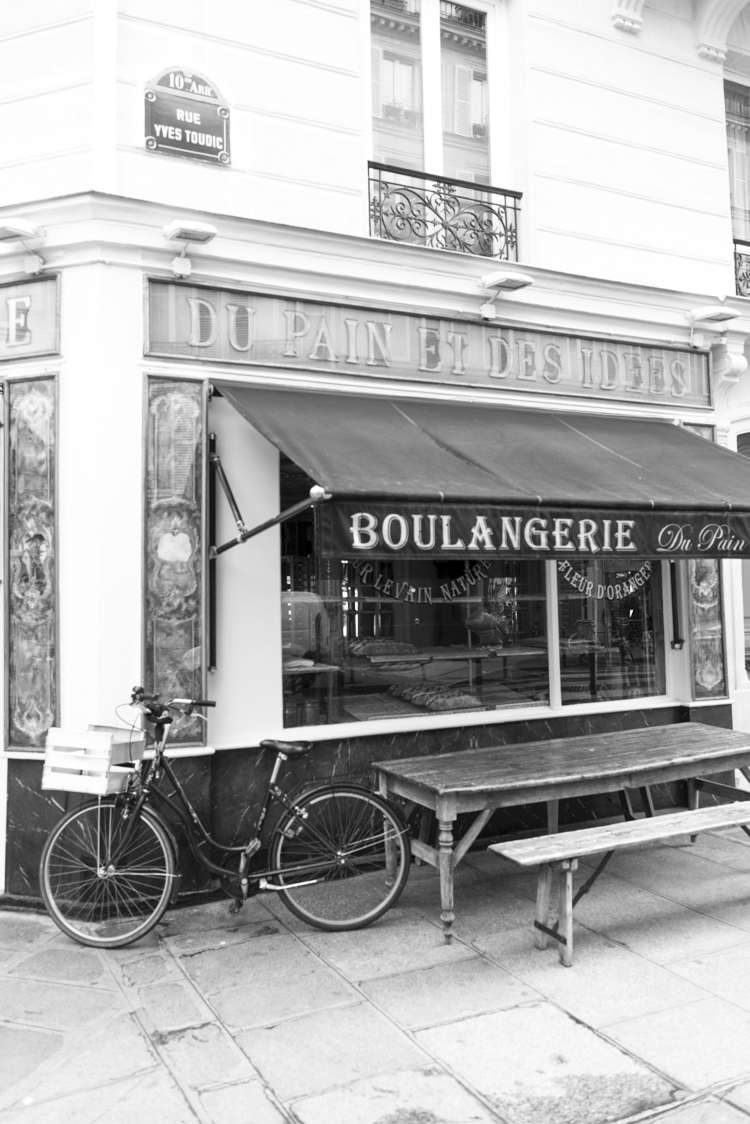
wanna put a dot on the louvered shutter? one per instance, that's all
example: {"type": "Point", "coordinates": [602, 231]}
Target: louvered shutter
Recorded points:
{"type": "Point", "coordinates": [377, 103]}
{"type": "Point", "coordinates": [462, 101]}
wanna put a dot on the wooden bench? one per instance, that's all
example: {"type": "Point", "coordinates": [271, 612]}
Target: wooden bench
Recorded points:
{"type": "Point", "coordinates": [562, 852]}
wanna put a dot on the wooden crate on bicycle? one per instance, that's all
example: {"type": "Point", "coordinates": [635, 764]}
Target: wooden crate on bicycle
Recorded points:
{"type": "Point", "coordinates": [94, 761]}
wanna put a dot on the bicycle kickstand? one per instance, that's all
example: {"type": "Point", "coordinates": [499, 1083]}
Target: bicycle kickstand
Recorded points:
{"type": "Point", "coordinates": [237, 903]}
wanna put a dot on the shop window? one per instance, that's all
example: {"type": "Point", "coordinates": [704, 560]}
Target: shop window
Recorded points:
{"type": "Point", "coordinates": [32, 561]}
{"type": "Point", "coordinates": [365, 639]}
{"type": "Point", "coordinates": [174, 664]}
{"type": "Point", "coordinates": [611, 630]}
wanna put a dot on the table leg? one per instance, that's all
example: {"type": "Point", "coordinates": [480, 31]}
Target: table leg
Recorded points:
{"type": "Point", "coordinates": [543, 888]}
{"type": "Point", "coordinates": [565, 911]}
{"type": "Point", "coordinates": [445, 864]}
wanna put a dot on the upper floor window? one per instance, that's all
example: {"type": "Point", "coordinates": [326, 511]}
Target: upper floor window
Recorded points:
{"type": "Point", "coordinates": [430, 93]}
{"type": "Point", "coordinates": [737, 102]}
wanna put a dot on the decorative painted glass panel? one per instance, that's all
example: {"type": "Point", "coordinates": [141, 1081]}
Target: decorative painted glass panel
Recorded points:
{"type": "Point", "coordinates": [175, 458]}
{"type": "Point", "coordinates": [32, 568]}
{"type": "Point", "coordinates": [706, 636]}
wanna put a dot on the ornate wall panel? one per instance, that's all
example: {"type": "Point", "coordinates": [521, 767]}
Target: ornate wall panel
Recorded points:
{"type": "Point", "coordinates": [174, 663]}
{"type": "Point", "coordinates": [32, 561]}
{"type": "Point", "coordinates": [706, 634]}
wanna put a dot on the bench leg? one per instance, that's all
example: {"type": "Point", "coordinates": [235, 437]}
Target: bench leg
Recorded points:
{"type": "Point", "coordinates": [693, 801]}
{"type": "Point", "coordinates": [543, 889]}
{"type": "Point", "coordinates": [565, 910]}
{"type": "Point", "coordinates": [445, 864]}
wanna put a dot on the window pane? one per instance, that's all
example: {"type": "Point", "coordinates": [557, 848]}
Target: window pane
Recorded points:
{"type": "Point", "coordinates": [737, 102]}
{"type": "Point", "coordinates": [365, 639]}
{"type": "Point", "coordinates": [397, 83]}
{"type": "Point", "coordinates": [611, 630]}
{"type": "Point", "coordinates": [463, 47]}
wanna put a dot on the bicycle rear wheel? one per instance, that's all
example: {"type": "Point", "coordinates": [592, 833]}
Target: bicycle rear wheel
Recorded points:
{"type": "Point", "coordinates": [98, 892]}
{"type": "Point", "coordinates": [343, 861]}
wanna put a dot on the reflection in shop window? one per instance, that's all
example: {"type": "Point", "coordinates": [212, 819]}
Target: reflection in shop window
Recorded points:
{"type": "Point", "coordinates": [611, 630]}
{"type": "Point", "coordinates": [365, 639]}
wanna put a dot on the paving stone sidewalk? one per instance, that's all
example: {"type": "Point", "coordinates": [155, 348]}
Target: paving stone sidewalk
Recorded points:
{"type": "Point", "coordinates": [258, 1019]}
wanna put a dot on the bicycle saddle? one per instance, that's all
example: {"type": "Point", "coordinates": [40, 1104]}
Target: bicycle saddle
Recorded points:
{"type": "Point", "coordinates": [289, 749]}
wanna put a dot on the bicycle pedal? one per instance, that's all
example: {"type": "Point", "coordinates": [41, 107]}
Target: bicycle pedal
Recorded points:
{"type": "Point", "coordinates": [235, 905]}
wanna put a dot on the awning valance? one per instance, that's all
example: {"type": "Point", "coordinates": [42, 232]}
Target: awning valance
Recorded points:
{"type": "Point", "coordinates": [475, 480]}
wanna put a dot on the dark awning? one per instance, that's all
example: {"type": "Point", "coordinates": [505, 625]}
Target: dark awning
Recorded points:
{"type": "Point", "coordinates": [463, 460]}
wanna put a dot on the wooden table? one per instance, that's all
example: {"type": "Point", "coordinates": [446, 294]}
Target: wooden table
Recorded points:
{"type": "Point", "coordinates": [482, 780]}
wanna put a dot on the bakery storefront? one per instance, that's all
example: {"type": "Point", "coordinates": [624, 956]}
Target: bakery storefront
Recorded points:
{"type": "Point", "coordinates": [512, 534]}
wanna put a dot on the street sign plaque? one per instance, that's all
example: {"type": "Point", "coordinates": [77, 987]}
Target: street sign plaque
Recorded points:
{"type": "Point", "coordinates": [186, 116]}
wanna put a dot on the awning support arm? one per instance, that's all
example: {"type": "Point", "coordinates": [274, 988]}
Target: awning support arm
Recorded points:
{"type": "Point", "coordinates": [317, 495]}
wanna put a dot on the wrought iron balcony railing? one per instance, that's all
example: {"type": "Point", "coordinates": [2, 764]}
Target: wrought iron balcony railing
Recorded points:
{"type": "Point", "coordinates": [446, 214]}
{"type": "Point", "coordinates": [742, 267]}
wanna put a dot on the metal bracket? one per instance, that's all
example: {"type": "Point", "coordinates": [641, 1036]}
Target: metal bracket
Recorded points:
{"type": "Point", "coordinates": [550, 932]}
{"type": "Point", "coordinates": [317, 495]}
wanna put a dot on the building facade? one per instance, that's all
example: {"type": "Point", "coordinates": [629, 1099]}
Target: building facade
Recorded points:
{"type": "Point", "coordinates": [408, 251]}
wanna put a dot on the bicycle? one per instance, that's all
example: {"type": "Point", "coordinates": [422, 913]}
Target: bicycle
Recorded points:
{"type": "Point", "coordinates": [338, 858]}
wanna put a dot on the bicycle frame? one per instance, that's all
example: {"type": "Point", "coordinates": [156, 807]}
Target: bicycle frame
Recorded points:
{"type": "Point", "coordinates": [192, 823]}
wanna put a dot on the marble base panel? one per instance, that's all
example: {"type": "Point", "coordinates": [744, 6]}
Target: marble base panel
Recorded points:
{"type": "Point", "coordinates": [227, 789]}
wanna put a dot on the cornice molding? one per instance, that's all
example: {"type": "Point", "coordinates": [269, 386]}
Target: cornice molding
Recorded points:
{"type": "Point", "coordinates": [628, 15]}
{"type": "Point", "coordinates": [714, 19]}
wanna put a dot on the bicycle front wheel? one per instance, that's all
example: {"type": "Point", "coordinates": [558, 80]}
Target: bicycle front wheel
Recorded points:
{"type": "Point", "coordinates": [343, 860]}
{"type": "Point", "coordinates": [98, 891]}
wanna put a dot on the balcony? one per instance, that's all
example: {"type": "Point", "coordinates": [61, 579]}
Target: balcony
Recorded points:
{"type": "Point", "coordinates": [443, 213]}
{"type": "Point", "coordinates": [742, 268]}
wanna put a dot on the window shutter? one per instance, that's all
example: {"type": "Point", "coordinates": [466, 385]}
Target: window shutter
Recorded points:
{"type": "Point", "coordinates": [462, 102]}
{"type": "Point", "coordinates": [377, 104]}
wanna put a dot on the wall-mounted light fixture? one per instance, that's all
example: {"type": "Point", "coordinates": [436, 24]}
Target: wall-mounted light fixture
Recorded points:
{"type": "Point", "coordinates": [501, 281]}
{"type": "Point", "coordinates": [19, 230]}
{"type": "Point", "coordinates": [710, 317]}
{"type": "Point", "coordinates": [185, 231]}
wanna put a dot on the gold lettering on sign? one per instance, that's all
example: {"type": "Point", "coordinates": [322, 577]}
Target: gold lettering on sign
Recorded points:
{"type": "Point", "coordinates": [297, 326]}
{"type": "Point", "coordinates": [322, 341]}
{"type": "Point", "coordinates": [429, 349]}
{"type": "Point", "coordinates": [204, 323]}
{"type": "Point", "coordinates": [378, 336]}
{"type": "Point", "coordinates": [18, 312]}
{"type": "Point", "coordinates": [501, 358]}
{"type": "Point", "coordinates": [236, 326]}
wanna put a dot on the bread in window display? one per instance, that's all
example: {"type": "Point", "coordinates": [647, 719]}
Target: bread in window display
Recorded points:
{"type": "Point", "coordinates": [381, 646]}
{"type": "Point", "coordinates": [434, 698]}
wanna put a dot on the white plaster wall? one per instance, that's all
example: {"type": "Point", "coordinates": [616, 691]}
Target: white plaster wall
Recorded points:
{"type": "Point", "coordinates": [247, 682]}
{"type": "Point", "coordinates": [627, 160]}
{"type": "Point", "coordinates": [46, 97]}
{"type": "Point", "coordinates": [290, 71]}
{"type": "Point", "coordinates": [100, 491]}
